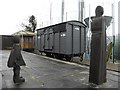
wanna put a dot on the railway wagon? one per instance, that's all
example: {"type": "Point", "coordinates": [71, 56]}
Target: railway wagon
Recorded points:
{"type": "Point", "coordinates": [26, 40]}
{"type": "Point", "coordinates": [63, 40]}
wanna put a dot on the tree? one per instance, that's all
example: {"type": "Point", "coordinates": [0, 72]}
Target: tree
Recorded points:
{"type": "Point", "coordinates": [32, 24]}
{"type": "Point", "coordinates": [27, 28]}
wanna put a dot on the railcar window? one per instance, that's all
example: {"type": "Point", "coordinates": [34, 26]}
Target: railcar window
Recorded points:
{"type": "Point", "coordinates": [38, 37]}
{"type": "Point", "coordinates": [76, 28]}
{"type": "Point", "coordinates": [25, 39]}
{"type": "Point", "coordinates": [63, 34]}
{"type": "Point", "coordinates": [30, 39]}
{"type": "Point", "coordinates": [21, 40]}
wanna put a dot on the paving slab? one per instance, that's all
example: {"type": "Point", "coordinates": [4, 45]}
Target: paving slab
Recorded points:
{"type": "Point", "coordinates": [45, 72]}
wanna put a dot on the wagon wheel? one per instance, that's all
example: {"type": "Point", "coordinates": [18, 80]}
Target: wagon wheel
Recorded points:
{"type": "Point", "coordinates": [53, 56]}
{"type": "Point", "coordinates": [47, 54]}
{"type": "Point", "coordinates": [60, 57]}
{"type": "Point", "coordinates": [71, 60]}
{"type": "Point", "coordinates": [68, 57]}
{"type": "Point", "coordinates": [57, 56]}
{"type": "Point", "coordinates": [81, 57]}
{"type": "Point", "coordinates": [40, 53]}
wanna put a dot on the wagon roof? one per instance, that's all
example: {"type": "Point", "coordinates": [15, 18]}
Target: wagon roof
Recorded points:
{"type": "Point", "coordinates": [74, 22]}
{"type": "Point", "coordinates": [24, 33]}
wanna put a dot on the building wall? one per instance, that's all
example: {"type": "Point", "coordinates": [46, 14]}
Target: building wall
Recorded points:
{"type": "Point", "coordinates": [118, 30]}
{"type": "Point", "coordinates": [0, 42]}
{"type": "Point", "coordinates": [119, 17]}
{"type": "Point", "coordinates": [7, 41]}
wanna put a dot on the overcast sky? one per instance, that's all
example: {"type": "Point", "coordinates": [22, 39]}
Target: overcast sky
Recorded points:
{"type": "Point", "coordinates": [15, 12]}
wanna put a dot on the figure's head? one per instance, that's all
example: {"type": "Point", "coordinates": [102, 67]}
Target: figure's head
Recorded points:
{"type": "Point", "coordinates": [16, 39]}
{"type": "Point", "coordinates": [99, 11]}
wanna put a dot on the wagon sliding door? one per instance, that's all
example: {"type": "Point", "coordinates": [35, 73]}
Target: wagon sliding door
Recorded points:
{"type": "Point", "coordinates": [60, 42]}
{"type": "Point", "coordinates": [83, 40]}
{"type": "Point", "coordinates": [50, 40]}
{"type": "Point", "coordinates": [46, 42]}
{"type": "Point", "coordinates": [56, 42]}
{"type": "Point", "coordinates": [63, 42]}
{"type": "Point", "coordinates": [76, 39]}
{"type": "Point", "coordinates": [38, 42]}
{"type": "Point", "coordinates": [42, 42]}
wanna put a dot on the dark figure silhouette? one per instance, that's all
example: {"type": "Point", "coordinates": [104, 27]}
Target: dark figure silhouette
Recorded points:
{"type": "Point", "coordinates": [15, 60]}
{"type": "Point", "coordinates": [98, 48]}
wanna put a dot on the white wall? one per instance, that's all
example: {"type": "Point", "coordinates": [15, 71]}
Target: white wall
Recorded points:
{"type": "Point", "coordinates": [119, 17]}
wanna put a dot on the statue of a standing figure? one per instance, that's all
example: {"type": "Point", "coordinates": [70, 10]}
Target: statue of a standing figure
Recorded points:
{"type": "Point", "coordinates": [99, 24]}
{"type": "Point", "coordinates": [98, 48]}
